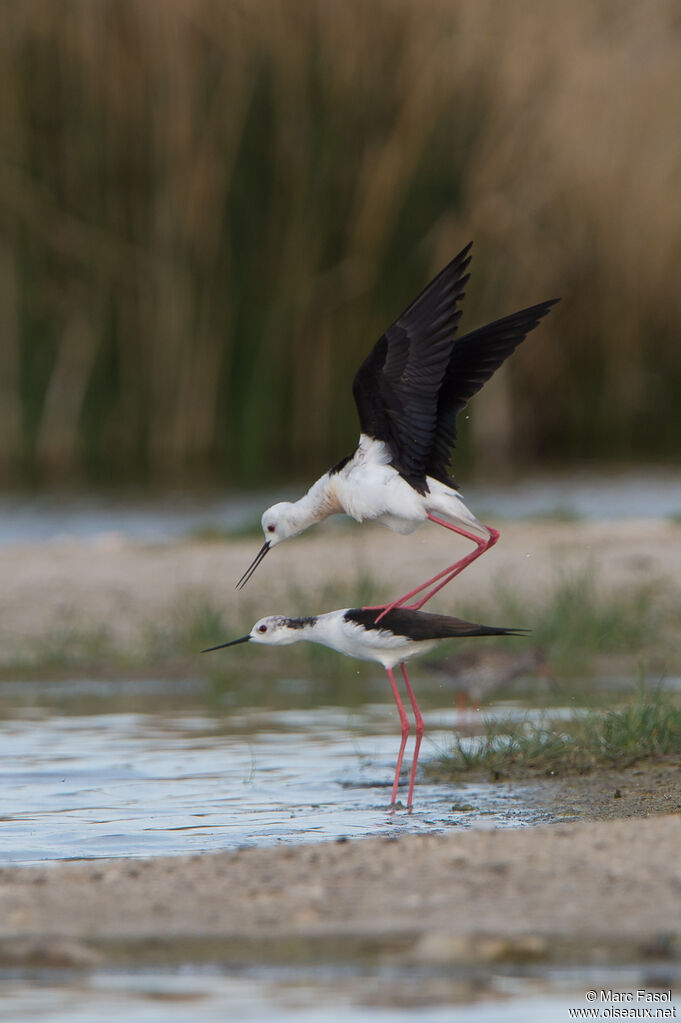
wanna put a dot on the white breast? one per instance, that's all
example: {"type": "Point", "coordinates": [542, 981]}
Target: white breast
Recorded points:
{"type": "Point", "coordinates": [368, 487]}
{"type": "Point", "coordinates": [379, 645]}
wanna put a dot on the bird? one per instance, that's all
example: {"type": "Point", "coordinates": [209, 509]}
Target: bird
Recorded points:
{"type": "Point", "coordinates": [479, 672]}
{"type": "Point", "coordinates": [357, 632]}
{"type": "Point", "coordinates": [409, 391]}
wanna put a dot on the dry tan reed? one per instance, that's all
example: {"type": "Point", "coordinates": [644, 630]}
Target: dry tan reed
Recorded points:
{"type": "Point", "coordinates": [211, 208]}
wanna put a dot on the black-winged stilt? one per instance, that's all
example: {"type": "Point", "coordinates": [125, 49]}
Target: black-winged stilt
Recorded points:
{"type": "Point", "coordinates": [399, 635]}
{"type": "Point", "coordinates": [409, 392]}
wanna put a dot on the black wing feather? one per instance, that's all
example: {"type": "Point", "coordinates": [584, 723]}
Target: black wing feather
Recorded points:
{"type": "Point", "coordinates": [396, 388]}
{"type": "Point", "coordinates": [473, 360]}
{"type": "Point", "coordinates": [422, 625]}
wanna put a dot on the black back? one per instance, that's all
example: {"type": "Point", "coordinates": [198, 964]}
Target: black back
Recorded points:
{"type": "Point", "coordinates": [422, 625]}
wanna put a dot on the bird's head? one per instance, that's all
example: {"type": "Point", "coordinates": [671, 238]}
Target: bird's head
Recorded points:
{"type": "Point", "coordinates": [275, 630]}
{"type": "Point", "coordinates": [278, 523]}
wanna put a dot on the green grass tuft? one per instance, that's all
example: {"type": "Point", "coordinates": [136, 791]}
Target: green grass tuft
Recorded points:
{"type": "Point", "coordinates": [649, 727]}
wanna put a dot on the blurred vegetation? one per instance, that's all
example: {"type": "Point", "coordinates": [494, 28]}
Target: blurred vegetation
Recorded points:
{"type": "Point", "coordinates": [586, 631]}
{"type": "Point", "coordinates": [580, 619]}
{"type": "Point", "coordinates": [170, 644]}
{"type": "Point", "coordinates": [210, 209]}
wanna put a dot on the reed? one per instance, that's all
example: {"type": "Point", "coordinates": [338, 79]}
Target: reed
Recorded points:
{"type": "Point", "coordinates": [210, 209]}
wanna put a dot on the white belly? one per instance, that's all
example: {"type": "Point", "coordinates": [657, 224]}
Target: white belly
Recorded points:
{"type": "Point", "coordinates": [366, 645]}
{"type": "Point", "coordinates": [369, 488]}
{"type": "Point", "coordinates": [398, 525]}
{"type": "Point", "coordinates": [380, 494]}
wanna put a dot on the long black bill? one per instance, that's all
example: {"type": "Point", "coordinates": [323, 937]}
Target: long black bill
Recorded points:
{"type": "Point", "coordinates": [221, 646]}
{"type": "Point", "coordinates": [253, 565]}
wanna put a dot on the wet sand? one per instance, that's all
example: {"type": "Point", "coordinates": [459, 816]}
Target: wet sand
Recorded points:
{"type": "Point", "coordinates": [602, 891]}
{"type": "Point", "coordinates": [640, 790]}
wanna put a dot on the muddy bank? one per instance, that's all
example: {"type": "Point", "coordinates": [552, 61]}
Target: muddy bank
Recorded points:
{"type": "Point", "coordinates": [604, 890]}
{"type": "Point", "coordinates": [646, 788]}
{"type": "Point", "coordinates": [605, 793]}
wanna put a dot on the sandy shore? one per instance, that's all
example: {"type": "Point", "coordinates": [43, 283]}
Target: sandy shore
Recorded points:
{"type": "Point", "coordinates": [118, 585]}
{"type": "Point", "coordinates": [604, 891]}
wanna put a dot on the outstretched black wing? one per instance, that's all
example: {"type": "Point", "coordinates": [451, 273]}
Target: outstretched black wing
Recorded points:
{"type": "Point", "coordinates": [473, 360]}
{"type": "Point", "coordinates": [396, 387]}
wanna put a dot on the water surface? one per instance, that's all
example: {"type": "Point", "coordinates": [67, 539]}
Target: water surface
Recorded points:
{"type": "Point", "coordinates": [185, 781]}
{"type": "Point", "coordinates": [642, 493]}
{"type": "Point", "coordinates": [325, 995]}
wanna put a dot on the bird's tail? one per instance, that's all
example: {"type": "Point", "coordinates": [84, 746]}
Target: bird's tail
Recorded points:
{"type": "Point", "coordinates": [470, 629]}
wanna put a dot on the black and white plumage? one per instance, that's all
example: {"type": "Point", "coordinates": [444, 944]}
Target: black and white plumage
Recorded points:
{"type": "Point", "coordinates": [388, 637]}
{"type": "Point", "coordinates": [409, 391]}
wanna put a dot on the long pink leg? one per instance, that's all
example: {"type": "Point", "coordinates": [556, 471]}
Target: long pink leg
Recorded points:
{"type": "Point", "coordinates": [482, 546]}
{"type": "Point", "coordinates": [419, 735]}
{"type": "Point", "coordinates": [447, 574]}
{"type": "Point", "coordinates": [404, 720]}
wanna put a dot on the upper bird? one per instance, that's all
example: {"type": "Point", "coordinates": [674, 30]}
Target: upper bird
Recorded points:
{"type": "Point", "coordinates": [409, 391]}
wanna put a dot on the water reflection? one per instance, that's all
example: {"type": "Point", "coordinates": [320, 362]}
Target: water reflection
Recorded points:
{"type": "Point", "coordinates": [321, 995]}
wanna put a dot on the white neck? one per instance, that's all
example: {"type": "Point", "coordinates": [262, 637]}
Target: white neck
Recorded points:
{"type": "Point", "coordinates": [317, 504]}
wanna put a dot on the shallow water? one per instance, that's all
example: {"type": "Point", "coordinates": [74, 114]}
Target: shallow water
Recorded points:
{"type": "Point", "coordinates": [325, 994]}
{"type": "Point", "coordinates": [185, 781]}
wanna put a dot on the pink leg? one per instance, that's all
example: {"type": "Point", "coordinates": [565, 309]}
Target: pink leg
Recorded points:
{"type": "Point", "coordinates": [419, 735]}
{"type": "Point", "coordinates": [459, 567]}
{"type": "Point", "coordinates": [447, 574]}
{"type": "Point", "coordinates": [405, 732]}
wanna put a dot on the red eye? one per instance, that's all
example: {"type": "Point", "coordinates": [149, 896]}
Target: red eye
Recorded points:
{"type": "Point", "coordinates": [262, 628]}
{"type": "Point", "coordinates": [270, 529]}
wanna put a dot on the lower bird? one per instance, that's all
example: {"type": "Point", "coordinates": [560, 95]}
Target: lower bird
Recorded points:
{"type": "Point", "coordinates": [357, 632]}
